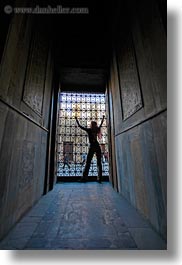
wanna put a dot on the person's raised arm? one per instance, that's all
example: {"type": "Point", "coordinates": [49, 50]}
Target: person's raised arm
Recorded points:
{"type": "Point", "coordinates": [102, 121]}
{"type": "Point", "coordinates": [83, 128]}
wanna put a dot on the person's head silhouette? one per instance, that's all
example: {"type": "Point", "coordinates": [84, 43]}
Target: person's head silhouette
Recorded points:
{"type": "Point", "coordinates": [93, 125]}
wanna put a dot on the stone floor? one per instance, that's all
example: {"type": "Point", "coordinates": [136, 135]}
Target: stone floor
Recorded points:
{"type": "Point", "coordinates": [82, 216]}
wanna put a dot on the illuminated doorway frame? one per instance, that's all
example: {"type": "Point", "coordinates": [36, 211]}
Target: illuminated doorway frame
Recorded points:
{"type": "Point", "coordinates": [87, 107]}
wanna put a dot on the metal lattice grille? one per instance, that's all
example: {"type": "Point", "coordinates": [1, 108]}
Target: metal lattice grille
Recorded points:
{"type": "Point", "coordinates": [73, 143]}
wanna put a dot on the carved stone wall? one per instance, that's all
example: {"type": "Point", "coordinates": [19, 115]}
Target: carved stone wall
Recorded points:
{"type": "Point", "coordinates": [26, 76]}
{"type": "Point", "coordinates": [138, 108]}
{"type": "Point", "coordinates": [128, 75]}
{"type": "Point", "coordinates": [35, 77]}
{"type": "Point", "coordinates": [27, 164]}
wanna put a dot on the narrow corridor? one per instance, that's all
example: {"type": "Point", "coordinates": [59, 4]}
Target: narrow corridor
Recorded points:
{"type": "Point", "coordinates": [82, 216]}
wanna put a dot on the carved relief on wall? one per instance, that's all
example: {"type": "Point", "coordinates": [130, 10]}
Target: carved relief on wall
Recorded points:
{"type": "Point", "coordinates": [129, 79]}
{"type": "Point", "coordinates": [27, 164]}
{"type": "Point", "coordinates": [35, 78]}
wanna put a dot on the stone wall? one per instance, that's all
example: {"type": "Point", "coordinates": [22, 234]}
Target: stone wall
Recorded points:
{"type": "Point", "coordinates": [26, 71]}
{"type": "Point", "coordinates": [138, 87]}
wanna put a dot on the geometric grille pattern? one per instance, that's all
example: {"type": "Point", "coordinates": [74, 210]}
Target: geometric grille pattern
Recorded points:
{"type": "Point", "coordinates": [72, 142]}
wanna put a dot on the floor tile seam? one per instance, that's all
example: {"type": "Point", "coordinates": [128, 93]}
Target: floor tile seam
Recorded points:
{"type": "Point", "coordinates": [64, 202]}
{"type": "Point", "coordinates": [118, 216]}
{"type": "Point", "coordinates": [45, 221]}
{"type": "Point", "coordinates": [83, 248]}
{"type": "Point", "coordinates": [13, 230]}
{"type": "Point", "coordinates": [28, 238]}
{"type": "Point", "coordinates": [64, 213]}
{"type": "Point", "coordinates": [152, 230]}
{"type": "Point", "coordinates": [48, 240]}
{"type": "Point", "coordinates": [87, 238]}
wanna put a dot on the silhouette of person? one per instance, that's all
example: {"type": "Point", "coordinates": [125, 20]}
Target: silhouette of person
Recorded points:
{"type": "Point", "coordinates": [106, 156]}
{"type": "Point", "coordinates": [92, 132]}
{"type": "Point", "coordinates": [84, 157]}
{"type": "Point", "coordinates": [66, 161]}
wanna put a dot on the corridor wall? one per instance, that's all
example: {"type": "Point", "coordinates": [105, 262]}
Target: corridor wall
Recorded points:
{"type": "Point", "coordinates": [138, 87]}
{"type": "Point", "coordinates": [26, 73]}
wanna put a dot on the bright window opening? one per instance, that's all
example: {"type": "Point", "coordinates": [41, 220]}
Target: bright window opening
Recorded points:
{"type": "Point", "coordinates": [72, 142]}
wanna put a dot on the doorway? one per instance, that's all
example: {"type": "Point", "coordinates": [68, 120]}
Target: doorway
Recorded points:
{"type": "Point", "coordinates": [72, 142]}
